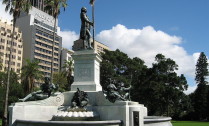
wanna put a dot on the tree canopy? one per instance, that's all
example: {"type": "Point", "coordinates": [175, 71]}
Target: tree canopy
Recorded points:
{"type": "Point", "coordinates": [159, 88]}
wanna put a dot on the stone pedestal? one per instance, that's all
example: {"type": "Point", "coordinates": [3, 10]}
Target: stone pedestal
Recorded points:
{"type": "Point", "coordinates": [35, 110]}
{"type": "Point", "coordinates": [78, 45]}
{"type": "Point", "coordinates": [87, 71]}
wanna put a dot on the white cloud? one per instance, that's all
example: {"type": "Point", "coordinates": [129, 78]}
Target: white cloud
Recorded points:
{"type": "Point", "coordinates": [145, 43]}
{"type": "Point", "coordinates": [68, 37]}
{"type": "Point", "coordinates": [4, 15]}
{"type": "Point", "coordinates": [190, 89]}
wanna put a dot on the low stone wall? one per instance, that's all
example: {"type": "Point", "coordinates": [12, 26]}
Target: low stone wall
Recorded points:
{"type": "Point", "coordinates": [67, 123]}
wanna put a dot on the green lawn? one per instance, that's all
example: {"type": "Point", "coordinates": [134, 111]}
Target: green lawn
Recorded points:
{"type": "Point", "coordinates": [189, 123]}
{"type": "Point", "coordinates": [0, 122]}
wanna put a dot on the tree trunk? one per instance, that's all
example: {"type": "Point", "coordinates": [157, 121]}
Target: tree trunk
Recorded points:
{"type": "Point", "coordinates": [5, 119]}
{"type": "Point", "coordinates": [52, 60]}
{"type": "Point", "coordinates": [29, 85]}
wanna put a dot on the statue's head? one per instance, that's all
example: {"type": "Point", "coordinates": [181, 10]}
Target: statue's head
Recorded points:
{"type": "Point", "coordinates": [83, 9]}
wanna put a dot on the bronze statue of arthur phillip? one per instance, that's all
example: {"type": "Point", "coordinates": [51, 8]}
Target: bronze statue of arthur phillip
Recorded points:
{"type": "Point", "coordinates": [85, 33]}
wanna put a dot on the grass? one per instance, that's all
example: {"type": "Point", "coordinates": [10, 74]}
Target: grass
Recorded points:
{"type": "Point", "coordinates": [0, 122]}
{"type": "Point", "coordinates": [189, 123]}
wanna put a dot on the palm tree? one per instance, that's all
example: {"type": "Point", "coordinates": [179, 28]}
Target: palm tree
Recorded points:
{"type": "Point", "coordinates": [53, 8]}
{"type": "Point", "coordinates": [30, 73]}
{"type": "Point", "coordinates": [15, 7]}
{"type": "Point", "coordinates": [68, 66]}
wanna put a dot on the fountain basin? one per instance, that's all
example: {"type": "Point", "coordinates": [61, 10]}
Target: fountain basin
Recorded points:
{"type": "Point", "coordinates": [157, 121]}
{"type": "Point", "coordinates": [67, 123]}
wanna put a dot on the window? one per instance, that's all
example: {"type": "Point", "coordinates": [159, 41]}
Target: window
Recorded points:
{"type": "Point", "coordinates": [14, 43]}
{"type": "Point", "coordinates": [7, 55]}
{"type": "Point", "coordinates": [8, 49]}
{"type": "Point", "coordinates": [2, 40]}
{"type": "Point", "coordinates": [19, 52]}
{"type": "Point", "coordinates": [6, 61]}
{"type": "Point", "coordinates": [2, 28]}
{"type": "Point", "coordinates": [8, 30]}
{"type": "Point", "coordinates": [19, 46]}
{"type": "Point", "coordinates": [19, 58]}
{"type": "Point", "coordinates": [14, 50]}
{"type": "Point", "coordinates": [13, 57]}
{"type": "Point", "coordinates": [57, 39]}
{"type": "Point", "coordinates": [18, 70]}
{"type": "Point", "coordinates": [57, 49]}
{"type": "Point", "coordinates": [8, 42]}
{"type": "Point", "coordinates": [1, 47]}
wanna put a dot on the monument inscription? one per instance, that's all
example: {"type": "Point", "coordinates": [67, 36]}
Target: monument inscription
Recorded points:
{"type": "Point", "coordinates": [84, 73]}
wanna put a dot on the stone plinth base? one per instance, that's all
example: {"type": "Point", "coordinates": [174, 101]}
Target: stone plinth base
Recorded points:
{"type": "Point", "coordinates": [87, 71]}
{"type": "Point", "coordinates": [86, 86]}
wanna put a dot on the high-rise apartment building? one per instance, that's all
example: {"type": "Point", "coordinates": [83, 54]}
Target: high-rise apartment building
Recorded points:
{"type": "Point", "coordinates": [5, 45]}
{"type": "Point", "coordinates": [37, 28]}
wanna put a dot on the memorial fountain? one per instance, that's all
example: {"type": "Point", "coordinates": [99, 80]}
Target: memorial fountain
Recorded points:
{"type": "Point", "coordinates": [86, 104]}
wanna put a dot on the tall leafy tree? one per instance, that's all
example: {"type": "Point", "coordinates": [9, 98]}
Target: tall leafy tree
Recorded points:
{"type": "Point", "coordinates": [200, 95]}
{"type": "Point", "coordinates": [161, 88]}
{"type": "Point", "coordinates": [15, 7]}
{"type": "Point", "coordinates": [53, 7]}
{"type": "Point", "coordinates": [16, 90]}
{"type": "Point", "coordinates": [30, 73]}
{"type": "Point", "coordinates": [114, 67]}
{"type": "Point", "coordinates": [202, 69]}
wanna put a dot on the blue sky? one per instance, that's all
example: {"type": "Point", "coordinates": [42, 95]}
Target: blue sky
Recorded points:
{"type": "Point", "coordinates": [179, 29]}
{"type": "Point", "coordinates": [188, 19]}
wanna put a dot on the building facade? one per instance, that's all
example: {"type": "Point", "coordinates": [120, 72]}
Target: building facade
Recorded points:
{"type": "Point", "coordinates": [98, 46]}
{"type": "Point", "coordinates": [6, 44]}
{"type": "Point", "coordinates": [37, 28]}
{"type": "Point", "coordinates": [38, 4]}
{"type": "Point", "coordinates": [66, 55]}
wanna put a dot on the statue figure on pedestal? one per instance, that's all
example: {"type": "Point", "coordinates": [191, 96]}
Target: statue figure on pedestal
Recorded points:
{"type": "Point", "coordinates": [80, 100]}
{"type": "Point", "coordinates": [123, 91]}
{"type": "Point", "coordinates": [114, 93]}
{"type": "Point", "coordinates": [45, 92]}
{"type": "Point", "coordinates": [85, 33]}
